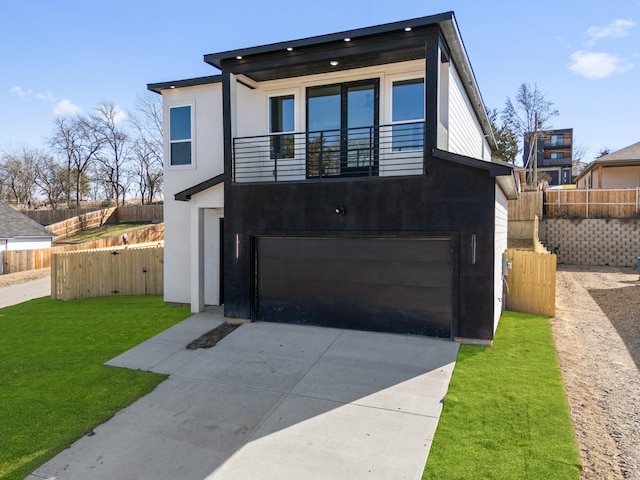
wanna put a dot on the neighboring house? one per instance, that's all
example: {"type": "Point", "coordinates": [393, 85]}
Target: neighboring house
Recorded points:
{"type": "Point", "coordinates": [19, 232]}
{"type": "Point", "coordinates": [555, 155]}
{"type": "Point", "coordinates": [353, 172]}
{"type": "Point", "coordinates": [620, 169]}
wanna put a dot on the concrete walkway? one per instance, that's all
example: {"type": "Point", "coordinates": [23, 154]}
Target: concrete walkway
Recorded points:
{"type": "Point", "coordinates": [271, 401]}
{"type": "Point", "coordinates": [25, 291]}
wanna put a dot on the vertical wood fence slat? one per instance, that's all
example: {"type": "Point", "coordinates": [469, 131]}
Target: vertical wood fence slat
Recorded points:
{"type": "Point", "coordinates": [21, 260]}
{"type": "Point", "coordinates": [598, 203]}
{"type": "Point", "coordinates": [95, 273]}
{"type": "Point", "coordinates": [532, 282]}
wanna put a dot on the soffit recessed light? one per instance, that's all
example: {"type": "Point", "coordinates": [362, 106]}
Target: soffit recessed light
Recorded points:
{"type": "Point", "coordinates": [347, 39]}
{"type": "Point", "coordinates": [333, 63]}
{"type": "Point", "coordinates": [407, 29]}
{"type": "Point", "coordinates": [239, 57]}
{"type": "Point", "coordinates": [289, 49]}
{"type": "Point", "coordinates": [172, 86]}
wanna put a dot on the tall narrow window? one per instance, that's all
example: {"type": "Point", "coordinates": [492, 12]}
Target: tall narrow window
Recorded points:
{"type": "Point", "coordinates": [281, 122]}
{"type": "Point", "coordinates": [407, 114]}
{"type": "Point", "coordinates": [180, 135]}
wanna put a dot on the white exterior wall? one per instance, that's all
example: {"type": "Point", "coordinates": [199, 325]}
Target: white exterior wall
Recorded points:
{"type": "Point", "coordinates": [465, 133]}
{"type": "Point", "coordinates": [207, 162]}
{"type": "Point", "coordinates": [500, 245]}
{"type": "Point", "coordinates": [25, 243]}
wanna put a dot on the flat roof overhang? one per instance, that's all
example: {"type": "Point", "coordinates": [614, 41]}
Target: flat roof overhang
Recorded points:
{"type": "Point", "coordinates": [371, 46]}
{"type": "Point", "coordinates": [377, 45]}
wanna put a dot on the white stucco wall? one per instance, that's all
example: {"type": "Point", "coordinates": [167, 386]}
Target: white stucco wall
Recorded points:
{"type": "Point", "coordinates": [208, 162]}
{"type": "Point", "coordinates": [500, 246]}
{"type": "Point", "coordinates": [465, 133]}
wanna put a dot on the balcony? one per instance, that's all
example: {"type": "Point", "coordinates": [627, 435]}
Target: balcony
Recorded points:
{"type": "Point", "coordinates": [376, 151]}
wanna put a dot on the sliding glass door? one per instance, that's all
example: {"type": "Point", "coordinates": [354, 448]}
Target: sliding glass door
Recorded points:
{"type": "Point", "coordinates": [342, 134]}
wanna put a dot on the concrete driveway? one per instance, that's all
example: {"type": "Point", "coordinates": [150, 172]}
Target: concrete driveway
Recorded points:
{"type": "Point", "coordinates": [25, 291]}
{"type": "Point", "coordinates": [272, 401]}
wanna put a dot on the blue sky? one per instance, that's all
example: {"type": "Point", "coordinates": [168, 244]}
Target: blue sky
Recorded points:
{"type": "Point", "coordinates": [67, 56]}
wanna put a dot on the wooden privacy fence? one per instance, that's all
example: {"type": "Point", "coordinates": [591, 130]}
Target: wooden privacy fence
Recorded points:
{"type": "Point", "coordinates": [105, 272]}
{"type": "Point", "coordinates": [600, 203]}
{"type": "Point", "coordinates": [81, 222]}
{"type": "Point", "coordinates": [527, 206]}
{"type": "Point", "coordinates": [20, 260]}
{"type": "Point", "coordinates": [128, 213]}
{"type": "Point", "coordinates": [531, 282]}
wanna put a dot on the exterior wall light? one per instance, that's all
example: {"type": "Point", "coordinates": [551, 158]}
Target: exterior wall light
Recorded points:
{"type": "Point", "coordinates": [340, 210]}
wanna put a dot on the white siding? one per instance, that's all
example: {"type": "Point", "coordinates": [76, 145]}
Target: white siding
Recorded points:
{"type": "Point", "coordinates": [465, 133]}
{"type": "Point", "coordinates": [26, 243]}
{"type": "Point", "coordinates": [208, 162]}
{"type": "Point", "coordinates": [500, 245]}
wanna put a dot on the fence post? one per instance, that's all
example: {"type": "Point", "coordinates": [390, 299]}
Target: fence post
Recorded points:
{"type": "Point", "coordinates": [587, 203]}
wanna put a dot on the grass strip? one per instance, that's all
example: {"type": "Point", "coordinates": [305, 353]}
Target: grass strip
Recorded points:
{"type": "Point", "coordinates": [506, 414]}
{"type": "Point", "coordinates": [54, 387]}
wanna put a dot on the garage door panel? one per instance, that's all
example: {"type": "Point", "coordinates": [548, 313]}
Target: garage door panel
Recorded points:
{"type": "Point", "coordinates": [379, 284]}
{"type": "Point", "coordinates": [372, 272]}
{"type": "Point", "coordinates": [410, 250]}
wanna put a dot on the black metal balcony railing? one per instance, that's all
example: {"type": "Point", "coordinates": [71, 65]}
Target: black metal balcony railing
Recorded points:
{"type": "Point", "coordinates": [383, 150]}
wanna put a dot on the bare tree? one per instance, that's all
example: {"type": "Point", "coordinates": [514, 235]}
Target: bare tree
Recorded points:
{"type": "Point", "coordinates": [527, 117]}
{"type": "Point", "coordinates": [51, 177]}
{"type": "Point", "coordinates": [147, 147]}
{"type": "Point", "coordinates": [115, 154]}
{"type": "Point", "coordinates": [79, 140]}
{"type": "Point", "coordinates": [18, 175]}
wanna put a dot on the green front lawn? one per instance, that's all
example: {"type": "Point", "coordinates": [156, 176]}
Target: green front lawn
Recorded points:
{"type": "Point", "coordinates": [506, 414]}
{"type": "Point", "coordinates": [53, 385]}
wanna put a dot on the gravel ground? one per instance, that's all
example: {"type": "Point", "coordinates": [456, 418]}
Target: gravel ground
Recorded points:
{"type": "Point", "coordinates": [9, 279]}
{"type": "Point", "coordinates": [597, 333]}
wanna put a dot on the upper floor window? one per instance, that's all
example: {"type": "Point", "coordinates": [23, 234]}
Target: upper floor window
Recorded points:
{"type": "Point", "coordinates": [557, 140]}
{"type": "Point", "coordinates": [282, 120]}
{"type": "Point", "coordinates": [407, 114]}
{"type": "Point", "coordinates": [180, 136]}
{"type": "Point", "coordinates": [557, 155]}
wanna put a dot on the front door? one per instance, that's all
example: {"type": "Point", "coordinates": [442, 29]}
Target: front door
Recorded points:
{"type": "Point", "coordinates": [342, 132]}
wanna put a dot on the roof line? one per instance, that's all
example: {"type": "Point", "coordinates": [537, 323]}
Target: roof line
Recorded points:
{"type": "Point", "coordinates": [185, 195]}
{"type": "Point", "coordinates": [215, 59]}
{"type": "Point", "coordinates": [189, 82]}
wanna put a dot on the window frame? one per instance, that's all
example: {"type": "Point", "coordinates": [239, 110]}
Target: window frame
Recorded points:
{"type": "Point", "coordinates": [169, 162]}
{"type": "Point", "coordinates": [393, 123]}
{"type": "Point", "coordinates": [277, 137]}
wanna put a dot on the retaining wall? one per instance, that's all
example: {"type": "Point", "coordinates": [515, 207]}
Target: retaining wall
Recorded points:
{"type": "Point", "coordinates": [614, 242]}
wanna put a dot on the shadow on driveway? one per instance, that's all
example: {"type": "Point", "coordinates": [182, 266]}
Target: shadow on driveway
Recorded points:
{"type": "Point", "coordinates": [273, 401]}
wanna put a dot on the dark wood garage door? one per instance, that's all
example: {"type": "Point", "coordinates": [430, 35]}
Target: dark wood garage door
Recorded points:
{"type": "Point", "coordinates": [402, 285]}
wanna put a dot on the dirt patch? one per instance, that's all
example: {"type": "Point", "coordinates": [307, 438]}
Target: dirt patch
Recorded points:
{"type": "Point", "coordinates": [16, 278]}
{"type": "Point", "coordinates": [597, 333]}
{"type": "Point", "coordinates": [212, 337]}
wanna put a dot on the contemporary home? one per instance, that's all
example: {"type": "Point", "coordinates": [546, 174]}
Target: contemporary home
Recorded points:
{"type": "Point", "coordinates": [620, 169]}
{"type": "Point", "coordinates": [554, 150]}
{"type": "Point", "coordinates": [19, 232]}
{"type": "Point", "coordinates": [343, 180]}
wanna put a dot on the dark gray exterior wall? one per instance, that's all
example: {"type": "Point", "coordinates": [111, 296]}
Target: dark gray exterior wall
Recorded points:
{"type": "Point", "coordinates": [450, 199]}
